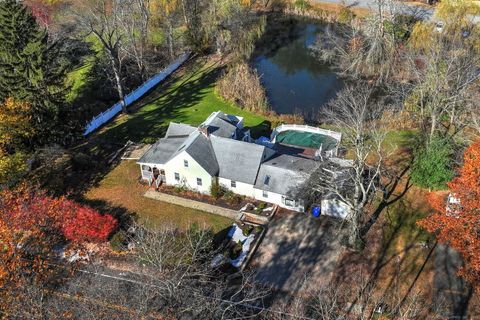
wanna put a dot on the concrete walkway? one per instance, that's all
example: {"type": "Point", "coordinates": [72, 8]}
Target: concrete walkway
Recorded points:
{"type": "Point", "coordinates": [224, 212]}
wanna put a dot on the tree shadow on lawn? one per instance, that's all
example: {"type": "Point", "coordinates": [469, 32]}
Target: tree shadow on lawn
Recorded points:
{"type": "Point", "coordinates": [150, 121]}
{"type": "Point", "coordinates": [144, 123]}
{"type": "Point", "coordinates": [393, 265]}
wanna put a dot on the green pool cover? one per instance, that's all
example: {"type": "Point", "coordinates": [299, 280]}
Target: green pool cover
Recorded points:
{"type": "Point", "coordinates": [306, 139]}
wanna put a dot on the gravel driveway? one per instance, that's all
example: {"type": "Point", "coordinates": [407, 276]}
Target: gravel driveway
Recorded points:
{"type": "Point", "coordinates": [298, 252]}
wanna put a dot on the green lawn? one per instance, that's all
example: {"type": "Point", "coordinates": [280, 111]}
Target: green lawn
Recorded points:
{"type": "Point", "coordinates": [77, 79]}
{"type": "Point", "coordinates": [189, 98]}
{"type": "Point", "coordinates": [122, 192]}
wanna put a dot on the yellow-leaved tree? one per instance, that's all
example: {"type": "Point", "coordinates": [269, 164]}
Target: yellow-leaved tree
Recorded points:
{"type": "Point", "coordinates": [15, 131]}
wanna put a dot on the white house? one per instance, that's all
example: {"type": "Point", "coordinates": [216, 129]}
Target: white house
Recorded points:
{"type": "Point", "coordinates": [218, 151]}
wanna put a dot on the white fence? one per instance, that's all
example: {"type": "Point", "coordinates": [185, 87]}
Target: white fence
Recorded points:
{"type": "Point", "coordinates": [133, 96]}
{"type": "Point", "coordinates": [300, 127]}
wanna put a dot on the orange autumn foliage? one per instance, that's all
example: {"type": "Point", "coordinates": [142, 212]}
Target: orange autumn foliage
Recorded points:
{"type": "Point", "coordinates": [458, 224]}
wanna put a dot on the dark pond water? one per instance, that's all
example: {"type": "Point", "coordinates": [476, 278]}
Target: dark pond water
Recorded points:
{"type": "Point", "coordinates": [296, 82]}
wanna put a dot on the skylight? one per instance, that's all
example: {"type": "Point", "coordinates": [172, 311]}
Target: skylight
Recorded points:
{"type": "Point", "coordinates": [266, 180]}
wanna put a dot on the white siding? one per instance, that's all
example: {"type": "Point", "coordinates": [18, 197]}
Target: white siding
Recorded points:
{"type": "Point", "coordinates": [241, 188]}
{"type": "Point", "coordinates": [276, 198]}
{"type": "Point", "coordinates": [334, 208]}
{"type": "Point", "coordinates": [188, 176]}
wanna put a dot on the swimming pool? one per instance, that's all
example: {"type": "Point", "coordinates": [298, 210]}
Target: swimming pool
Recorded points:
{"type": "Point", "coordinates": [306, 139]}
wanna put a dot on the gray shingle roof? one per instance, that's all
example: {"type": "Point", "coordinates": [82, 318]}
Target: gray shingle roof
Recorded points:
{"type": "Point", "coordinates": [237, 160]}
{"type": "Point", "coordinates": [201, 150]}
{"type": "Point", "coordinates": [162, 150]}
{"type": "Point", "coordinates": [178, 129]}
{"type": "Point", "coordinates": [220, 125]}
{"type": "Point", "coordinates": [283, 174]}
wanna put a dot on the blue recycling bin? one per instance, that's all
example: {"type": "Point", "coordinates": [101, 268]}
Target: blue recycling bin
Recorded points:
{"type": "Point", "coordinates": [316, 211]}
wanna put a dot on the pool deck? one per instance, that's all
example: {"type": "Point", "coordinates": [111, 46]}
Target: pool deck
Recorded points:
{"type": "Point", "coordinates": [293, 150]}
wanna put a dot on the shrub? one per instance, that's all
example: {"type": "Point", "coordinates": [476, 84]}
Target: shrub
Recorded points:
{"type": "Point", "coordinates": [119, 241]}
{"type": "Point", "coordinates": [241, 85]}
{"type": "Point", "coordinates": [231, 197]}
{"type": "Point", "coordinates": [260, 207]}
{"type": "Point", "coordinates": [81, 161]}
{"type": "Point", "coordinates": [216, 190]}
{"type": "Point", "coordinates": [179, 189]}
{"type": "Point", "coordinates": [88, 225]}
{"type": "Point", "coordinates": [432, 167]}
{"type": "Point", "coordinates": [236, 250]}
{"type": "Point", "coordinates": [302, 5]}
{"type": "Point", "coordinates": [345, 15]}
{"type": "Point", "coordinates": [28, 209]}
{"type": "Point", "coordinates": [12, 168]}
{"type": "Point", "coordinates": [248, 230]}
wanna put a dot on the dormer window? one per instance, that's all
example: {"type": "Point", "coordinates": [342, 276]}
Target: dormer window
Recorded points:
{"type": "Point", "coordinates": [185, 163]}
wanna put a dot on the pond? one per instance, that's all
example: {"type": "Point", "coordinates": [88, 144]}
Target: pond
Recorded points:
{"type": "Point", "coordinates": [295, 81]}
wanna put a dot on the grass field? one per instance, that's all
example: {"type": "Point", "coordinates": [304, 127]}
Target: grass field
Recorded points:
{"type": "Point", "coordinates": [120, 188]}
{"type": "Point", "coordinates": [189, 99]}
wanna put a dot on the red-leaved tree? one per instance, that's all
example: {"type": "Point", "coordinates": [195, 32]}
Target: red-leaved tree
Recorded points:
{"type": "Point", "coordinates": [31, 225]}
{"type": "Point", "coordinates": [457, 222]}
{"type": "Point", "coordinates": [25, 209]}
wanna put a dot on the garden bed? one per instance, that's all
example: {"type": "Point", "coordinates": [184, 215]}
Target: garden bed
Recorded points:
{"type": "Point", "coordinates": [227, 200]}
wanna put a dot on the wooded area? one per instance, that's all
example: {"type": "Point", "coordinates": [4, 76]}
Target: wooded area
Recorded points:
{"type": "Point", "coordinates": [64, 61]}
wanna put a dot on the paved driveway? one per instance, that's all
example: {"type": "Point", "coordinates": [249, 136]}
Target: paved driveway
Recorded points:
{"type": "Point", "coordinates": [297, 252]}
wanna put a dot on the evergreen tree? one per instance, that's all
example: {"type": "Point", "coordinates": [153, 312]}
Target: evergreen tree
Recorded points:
{"type": "Point", "coordinates": [30, 71]}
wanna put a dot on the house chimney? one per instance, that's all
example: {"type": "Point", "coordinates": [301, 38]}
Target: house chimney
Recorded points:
{"type": "Point", "coordinates": [203, 130]}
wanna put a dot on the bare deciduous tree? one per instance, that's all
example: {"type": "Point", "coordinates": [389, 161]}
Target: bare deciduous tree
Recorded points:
{"type": "Point", "coordinates": [134, 19]}
{"type": "Point", "coordinates": [356, 113]}
{"type": "Point", "coordinates": [366, 47]}
{"type": "Point", "coordinates": [170, 277]}
{"type": "Point", "coordinates": [442, 76]}
{"type": "Point", "coordinates": [101, 18]}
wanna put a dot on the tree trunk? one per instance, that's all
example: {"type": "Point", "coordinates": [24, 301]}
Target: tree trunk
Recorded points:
{"type": "Point", "coordinates": [354, 229]}
{"type": "Point", "coordinates": [170, 40]}
{"type": "Point", "coordinates": [433, 126]}
{"type": "Point", "coordinates": [118, 81]}
{"type": "Point", "coordinates": [184, 9]}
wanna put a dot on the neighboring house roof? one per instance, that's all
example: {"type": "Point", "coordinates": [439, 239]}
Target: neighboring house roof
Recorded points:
{"type": "Point", "coordinates": [162, 150]}
{"type": "Point", "coordinates": [237, 160]}
{"type": "Point", "coordinates": [283, 173]}
{"type": "Point", "coordinates": [179, 129]}
{"type": "Point", "coordinates": [220, 125]}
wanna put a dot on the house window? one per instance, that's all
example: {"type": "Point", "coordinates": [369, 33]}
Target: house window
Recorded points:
{"type": "Point", "coordinates": [265, 194]}
{"type": "Point", "coordinates": [177, 176]}
{"type": "Point", "coordinates": [233, 184]}
{"type": "Point", "coordinates": [266, 181]}
{"type": "Point", "coordinates": [199, 181]}
{"type": "Point", "coordinates": [289, 202]}
{"type": "Point", "coordinates": [185, 163]}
